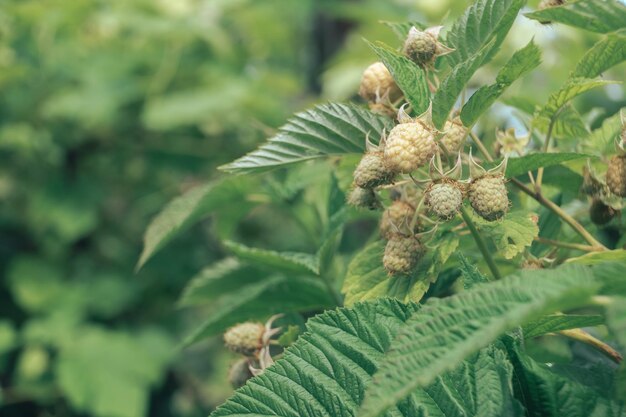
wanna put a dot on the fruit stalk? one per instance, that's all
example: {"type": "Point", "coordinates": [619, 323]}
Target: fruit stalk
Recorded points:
{"type": "Point", "coordinates": [481, 244]}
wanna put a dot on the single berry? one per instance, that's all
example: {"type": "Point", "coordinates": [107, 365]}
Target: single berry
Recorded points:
{"type": "Point", "coordinates": [409, 146]}
{"type": "Point", "coordinates": [532, 263]}
{"type": "Point", "coordinates": [372, 171]}
{"type": "Point", "coordinates": [454, 135]}
{"type": "Point", "coordinates": [363, 198]}
{"type": "Point", "coordinates": [397, 218]}
{"type": "Point", "coordinates": [239, 373]}
{"type": "Point", "coordinates": [488, 197]}
{"type": "Point", "coordinates": [245, 338]}
{"type": "Point", "coordinates": [600, 213]}
{"type": "Point", "coordinates": [420, 47]}
{"type": "Point", "coordinates": [616, 175]}
{"type": "Point", "coordinates": [402, 253]}
{"type": "Point", "coordinates": [444, 198]}
{"type": "Point", "coordinates": [377, 82]}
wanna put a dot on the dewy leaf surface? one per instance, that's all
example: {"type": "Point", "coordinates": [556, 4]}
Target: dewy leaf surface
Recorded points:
{"type": "Point", "coordinates": [328, 129]}
{"type": "Point", "coordinates": [325, 373]}
{"type": "Point", "coordinates": [446, 331]}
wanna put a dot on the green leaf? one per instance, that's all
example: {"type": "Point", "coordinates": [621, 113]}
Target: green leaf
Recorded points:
{"type": "Point", "coordinates": [572, 88]}
{"type": "Point", "coordinates": [594, 258]}
{"type": "Point", "coordinates": [187, 209]}
{"type": "Point", "coordinates": [512, 234]}
{"type": "Point", "coordinates": [454, 83]}
{"type": "Point", "coordinates": [483, 21]}
{"type": "Point", "coordinates": [611, 275]}
{"type": "Point", "coordinates": [521, 63]}
{"type": "Point", "coordinates": [401, 29]}
{"type": "Point", "coordinates": [556, 322]}
{"type": "Point", "coordinates": [545, 393]}
{"type": "Point", "coordinates": [616, 321]}
{"type": "Point", "coordinates": [446, 331]}
{"type": "Point", "coordinates": [471, 275]}
{"type": "Point", "coordinates": [600, 16]}
{"type": "Point", "coordinates": [549, 227]}
{"type": "Point", "coordinates": [530, 162]}
{"type": "Point", "coordinates": [607, 52]}
{"type": "Point", "coordinates": [266, 296]}
{"type": "Point", "coordinates": [410, 78]}
{"type": "Point", "coordinates": [325, 130]}
{"type": "Point", "coordinates": [326, 371]}
{"type": "Point", "coordinates": [303, 263]}
{"type": "Point", "coordinates": [602, 140]}
{"type": "Point", "coordinates": [366, 278]}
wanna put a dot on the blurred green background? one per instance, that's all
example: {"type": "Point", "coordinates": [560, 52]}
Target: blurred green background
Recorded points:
{"type": "Point", "coordinates": [108, 110]}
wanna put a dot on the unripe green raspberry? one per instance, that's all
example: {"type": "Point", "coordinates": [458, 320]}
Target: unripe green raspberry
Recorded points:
{"type": "Point", "coordinates": [377, 82]}
{"type": "Point", "coordinates": [454, 135]}
{"type": "Point", "coordinates": [420, 47]}
{"type": "Point", "coordinates": [488, 197]}
{"type": "Point", "coordinates": [363, 198]}
{"type": "Point", "coordinates": [600, 213]}
{"type": "Point", "coordinates": [444, 199]}
{"type": "Point", "coordinates": [397, 219]}
{"type": "Point", "coordinates": [372, 171]}
{"type": "Point", "coordinates": [402, 254]}
{"type": "Point", "coordinates": [239, 373]}
{"type": "Point", "coordinates": [616, 175]}
{"type": "Point", "coordinates": [245, 338]}
{"type": "Point", "coordinates": [409, 146]}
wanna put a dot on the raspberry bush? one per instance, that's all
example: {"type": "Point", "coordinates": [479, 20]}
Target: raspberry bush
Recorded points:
{"type": "Point", "coordinates": [478, 271]}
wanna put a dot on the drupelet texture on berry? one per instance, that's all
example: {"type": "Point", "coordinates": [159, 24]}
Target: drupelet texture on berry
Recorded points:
{"type": "Point", "coordinates": [488, 197]}
{"type": "Point", "coordinates": [454, 135]}
{"type": "Point", "coordinates": [444, 198]}
{"type": "Point", "coordinates": [409, 146]}
{"type": "Point", "coordinates": [372, 171]}
{"type": "Point", "coordinates": [377, 82]}
{"type": "Point", "coordinates": [397, 218]}
{"type": "Point", "coordinates": [363, 198]}
{"type": "Point", "coordinates": [616, 175]}
{"type": "Point", "coordinates": [245, 338]}
{"type": "Point", "coordinates": [402, 253]}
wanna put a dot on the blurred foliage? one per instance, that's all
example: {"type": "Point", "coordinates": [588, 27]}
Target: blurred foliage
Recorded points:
{"type": "Point", "coordinates": [109, 109]}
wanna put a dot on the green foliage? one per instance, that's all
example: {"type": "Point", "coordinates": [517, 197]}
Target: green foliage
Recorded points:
{"type": "Point", "coordinates": [557, 322]}
{"type": "Point", "coordinates": [520, 166]}
{"type": "Point", "coordinates": [602, 16]}
{"type": "Point", "coordinates": [444, 332]}
{"type": "Point", "coordinates": [327, 130]}
{"type": "Point", "coordinates": [410, 78]}
{"type": "Point", "coordinates": [521, 63]}
{"type": "Point", "coordinates": [608, 52]}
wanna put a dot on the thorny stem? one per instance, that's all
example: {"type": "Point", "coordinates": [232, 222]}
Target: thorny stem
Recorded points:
{"type": "Point", "coordinates": [584, 337]}
{"type": "Point", "coordinates": [544, 201]}
{"type": "Point", "coordinates": [481, 244]}
{"type": "Point", "coordinates": [567, 245]}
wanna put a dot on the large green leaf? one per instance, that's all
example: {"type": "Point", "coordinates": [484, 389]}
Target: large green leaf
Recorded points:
{"type": "Point", "coordinates": [558, 100]}
{"type": "Point", "coordinates": [556, 322]}
{"type": "Point", "coordinates": [446, 331]}
{"type": "Point", "coordinates": [303, 263]}
{"type": "Point", "coordinates": [410, 78]}
{"type": "Point", "coordinates": [546, 393]}
{"type": "Point", "coordinates": [454, 83]}
{"type": "Point", "coordinates": [511, 235]}
{"type": "Point", "coordinates": [190, 207]}
{"type": "Point", "coordinates": [530, 162]}
{"type": "Point", "coordinates": [600, 16]}
{"type": "Point", "coordinates": [521, 63]}
{"type": "Point", "coordinates": [482, 21]}
{"type": "Point", "coordinates": [367, 279]}
{"type": "Point", "coordinates": [616, 321]}
{"type": "Point", "coordinates": [608, 52]}
{"type": "Point", "coordinates": [602, 140]}
{"type": "Point", "coordinates": [262, 298]}
{"type": "Point", "coordinates": [326, 371]}
{"type": "Point", "coordinates": [328, 129]}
